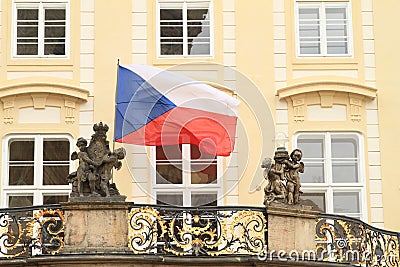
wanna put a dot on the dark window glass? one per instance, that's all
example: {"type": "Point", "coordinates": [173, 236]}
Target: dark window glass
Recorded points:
{"type": "Point", "coordinates": [21, 150]}
{"type": "Point", "coordinates": [54, 199]}
{"type": "Point", "coordinates": [20, 174]}
{"type": "Point", "coordinates": [20, 201]}
{"type": "Point", "coordinates": [28, 14]}
{"type": "Point", "coordinates": [317, 198]}
{"type": "Point", "coordinates": [204, 199]}
{"type": "Point", "coordinates": [170, 199]}
{"type": "Point", "coordinates": [55, 175]}
{"type": "Point", "coordinates": [56, 150]}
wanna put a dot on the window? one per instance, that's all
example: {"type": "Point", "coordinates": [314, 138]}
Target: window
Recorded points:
{"type": "Point", "coordinates": [36, 170]}
{"type": "Point", "coordinates": [185, 28]}
{"type": "Point", "coordinates": [334, 172]}
{"type": "Point", "coordinates": [323, 29]}
{"type": "Point", "coordinates": [183, 176]}
{"type": "Point", "coordinates": [41, 28]}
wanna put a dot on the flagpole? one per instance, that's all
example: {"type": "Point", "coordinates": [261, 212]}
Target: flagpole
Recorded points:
{"type": "Point", "coordinates": [115, 114]}
{"type": "Point", "coordinates": [115, 109]}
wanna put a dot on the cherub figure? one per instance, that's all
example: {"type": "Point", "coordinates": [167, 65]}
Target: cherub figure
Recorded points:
{"type": "Point", "coordinates": [110, 161]}
{"type": "Point", "coordinates": [86, 168]}
{"type": "Point", "coordinates": [274, 173]}
{"type": "Point", "coordinates": [292, 176]}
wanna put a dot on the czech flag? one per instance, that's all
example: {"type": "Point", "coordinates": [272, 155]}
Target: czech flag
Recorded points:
{"type": "Point", "coordinates": [155, 107]}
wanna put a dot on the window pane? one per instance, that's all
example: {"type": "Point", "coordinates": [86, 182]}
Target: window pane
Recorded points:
{"type": "Point", "coordinates": [197, 16]}
{"type": "Point", "coordinates": [312, 148]}
{"type": "Point", "coordinates": [346, 202]}
{"type": "Point", "coordinates": [55, 14]}
{"type": "Point", "coordinates": [203, 166]}
{"type": "Point", "coordinates": [169, 174]}
{"type": "Point", "coordinates": [169, 152]}
{"type": "Point", "coordinates": [204, 199]}
{"type": "Point", "coordinates": [171, 14]}
{"type": "Point", "coordinates": [55, 175]}
{"type": "Point", "coordinates": [169, 164]}
{"type": "Point", "coordinates": [310, 48]}
{"type": "Point", "coordinates": [336, 30]}
{"type": "Point", "coordinates": [54, 199]}
{"type": "Point", "coordinates": [21, 150]}
{"type": "Point", "coordinates": [171, 31]}
{"type": "Point", "coordinates": [345, 147]}
{"type": "Point", "coordinates": [196, 48]}
{"type": "Point", "coordinates": [171, 49]}
{"type": "Point", "coordinates": [309, 13]}
{"type": "Point", "coordinates": [27, 49]}
{"type": "Point", "coordinates": [199, 28]}
{"type": "Point", "coordinates": [313, 172]}
{"type": "Point", "coordinates": [317, 198]}
{"type": "Point", "coordinates": [20, 175]}
{"type": "Point", "coordinates": [345, 172]}
{"type": "Point", "coordinates": [337, 48]}
{"type": "Point", "coordinates": [27, 31]}
{"type": "Point", "coordinates": [55, 150]}
{"type": "Point", "coordinates": [171, 25]}
{"type": "Point", "coordinates": [20, 201]}
{"type": "Point", "coordinates": [170, 199]}
{"type": "Point", "coordinates": [54, 49]}
{"type": "Point", "coordinates": [27, 14]}
{"type": "Point", "coordinates": [196, 153]}
{"type": "Point", "coordinates": [54, 31]}
{"type": "Point", "coordinates": [309, 31]}
{"type": "Point", "coordinates": [335, 13]}
{"type": "Point", "coordinates": [204, 173]}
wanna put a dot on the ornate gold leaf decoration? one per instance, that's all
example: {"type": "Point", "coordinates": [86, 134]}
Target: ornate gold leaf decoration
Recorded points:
{"type": "Point", "coordinates": [38, 232]}
{"type": "Point", "coordinates": [209, 232]}
{"type": "Point", "coordinates": [346, 240]}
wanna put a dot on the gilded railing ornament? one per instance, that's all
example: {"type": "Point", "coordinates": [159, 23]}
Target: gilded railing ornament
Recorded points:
{"type": "Point", "coordinates": [96, 163]}
{"type": "Point", "coordinates": [37, 232]}
{"type": "Point", "coordinates": [186, 231]}
{"type": "Point", "coordinates": [347, 240]}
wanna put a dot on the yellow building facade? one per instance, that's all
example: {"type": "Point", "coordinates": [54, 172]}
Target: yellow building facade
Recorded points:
{"type": "Point", "coordinates": [319, 73]}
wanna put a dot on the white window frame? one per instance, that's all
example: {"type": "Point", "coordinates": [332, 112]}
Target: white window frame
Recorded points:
{"type": "Point", "coordinates": [321, 5]}
{"type": "Point", "coordinates": [41, 4]}
{"type": "Point", "coordinates": [329, 187]}
{"type": "Point", "coordinates": [186, 188]}
{"type": "Point", "coordinates": [184, 18]}
{"type": "Point", "coordinates": [37, 190]}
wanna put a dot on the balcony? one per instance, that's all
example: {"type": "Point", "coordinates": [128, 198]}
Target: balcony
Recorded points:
{"type": "Point", "coordinates": [193, 234]}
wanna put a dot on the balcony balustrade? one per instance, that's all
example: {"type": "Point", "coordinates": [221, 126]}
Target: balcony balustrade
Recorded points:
{"type": "Point", "coordinates": [206, 232]}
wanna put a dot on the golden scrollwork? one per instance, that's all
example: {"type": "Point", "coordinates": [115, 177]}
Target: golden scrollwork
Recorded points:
{"type": "Point", "coordinates": [347, 240]}
{"type": "Point", "coordinates": [39, 233]}
{"type": "Point", "coordinates": [209, 232]}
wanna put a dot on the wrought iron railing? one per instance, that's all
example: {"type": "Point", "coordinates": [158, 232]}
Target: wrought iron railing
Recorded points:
{"type": "Point", "coordinates": [31, 231]}
{"type": "Point", "coordinates": [188, 231]}
{"type": "Point", "coordinates": [348, 240]}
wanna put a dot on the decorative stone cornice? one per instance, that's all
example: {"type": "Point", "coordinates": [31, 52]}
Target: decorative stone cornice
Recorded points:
{"type": "Point", "coordinates": [320, 86]}
{"type": "Point", "coordinates": [33, 88]}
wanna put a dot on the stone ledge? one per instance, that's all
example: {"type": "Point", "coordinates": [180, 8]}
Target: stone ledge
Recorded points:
{"type": "Point", "coordinates": [96, 203]}
{"type": "Point", "coordinates": [301, 211]}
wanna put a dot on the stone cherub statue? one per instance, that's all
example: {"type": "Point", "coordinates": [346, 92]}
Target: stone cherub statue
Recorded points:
{"type": "Point", "coordinates": [96, 162]}
{"type": "Point", "coordinates": [283, 177]}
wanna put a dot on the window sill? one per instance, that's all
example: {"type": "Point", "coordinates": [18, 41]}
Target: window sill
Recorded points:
{"type": "Point", "coordinates": [324, 63]}
{"type": "Point", "coordinates": [40, 61]}
{"type": "Point", "coordinates": [167, 60]}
